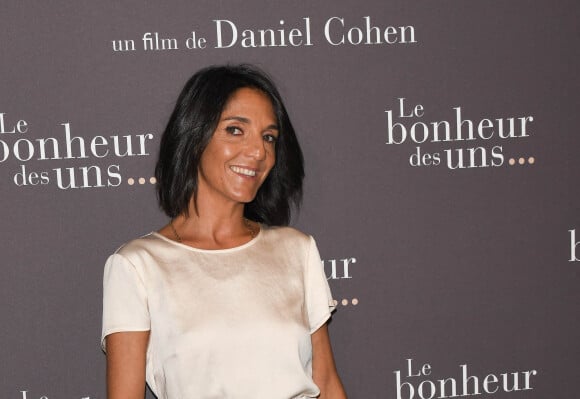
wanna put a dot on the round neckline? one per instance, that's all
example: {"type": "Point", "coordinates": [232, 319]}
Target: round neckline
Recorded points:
{"type": "Point", "coordinates": [224, 250]}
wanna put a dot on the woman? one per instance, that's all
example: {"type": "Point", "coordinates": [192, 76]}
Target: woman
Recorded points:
{"type": "Point", "coordinates": [221, 303]}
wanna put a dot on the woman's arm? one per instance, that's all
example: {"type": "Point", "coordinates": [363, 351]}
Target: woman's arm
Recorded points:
{"type": "Point", "coordinates": [126, 352]}
{"type": "Point", "coordinates": [323, 368]}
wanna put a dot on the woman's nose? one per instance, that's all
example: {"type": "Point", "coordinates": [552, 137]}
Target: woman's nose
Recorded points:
{"type": "Point", "coordinates": [257, 147]}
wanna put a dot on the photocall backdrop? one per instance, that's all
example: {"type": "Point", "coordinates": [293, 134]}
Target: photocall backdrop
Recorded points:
{"type": "Point", "coordinates": [440, 139]}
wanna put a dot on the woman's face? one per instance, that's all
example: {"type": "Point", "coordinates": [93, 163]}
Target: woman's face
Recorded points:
{"type": "Point", "coordinates": [241, 151]}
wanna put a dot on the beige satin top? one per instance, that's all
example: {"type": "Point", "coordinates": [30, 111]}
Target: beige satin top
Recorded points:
{"type": "Point", "coordinates": [232, 323]}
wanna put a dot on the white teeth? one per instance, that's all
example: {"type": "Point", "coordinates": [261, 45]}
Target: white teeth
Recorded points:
{"type": "Point", "coordinates": [243, 171]}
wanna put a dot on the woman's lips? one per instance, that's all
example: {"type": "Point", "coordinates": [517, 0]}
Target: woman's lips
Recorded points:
{"type": "Point", "coordinates": [243, 171]}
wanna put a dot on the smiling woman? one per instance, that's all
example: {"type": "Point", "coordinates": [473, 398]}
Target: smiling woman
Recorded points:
{"type": "Point", "coordinates": [224, 301]}
{"type": "Point", "coordinates": [242, 151]}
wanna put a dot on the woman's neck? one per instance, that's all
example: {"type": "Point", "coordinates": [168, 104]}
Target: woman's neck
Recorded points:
{"type": "Point", "coordinates": [206, 228]}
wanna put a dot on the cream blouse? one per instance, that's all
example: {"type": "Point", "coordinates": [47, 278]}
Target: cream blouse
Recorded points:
{"type": "Point", "coordinates": [232, 323]}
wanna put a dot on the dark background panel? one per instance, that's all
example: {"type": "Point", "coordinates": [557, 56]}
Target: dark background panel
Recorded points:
{"type": "Point", "coordinates": [452, 267]}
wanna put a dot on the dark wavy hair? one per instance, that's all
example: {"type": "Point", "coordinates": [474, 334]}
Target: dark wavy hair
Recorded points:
{"type": "Point", "coordinates": [190, 128]}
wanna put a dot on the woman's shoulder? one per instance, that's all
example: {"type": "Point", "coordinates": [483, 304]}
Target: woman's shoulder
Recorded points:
{"type": "Point", "coordinates": [288, 234]}
{"type": "Point", "coordinates": [138, 246]}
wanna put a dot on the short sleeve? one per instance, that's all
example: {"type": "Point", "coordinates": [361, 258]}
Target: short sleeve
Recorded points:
{"type": "Point", "coordinates": [319, 300]}
{"type": "Point", "coordinates": [124, 298]}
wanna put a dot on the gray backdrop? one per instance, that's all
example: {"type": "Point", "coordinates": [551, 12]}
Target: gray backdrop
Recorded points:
{"type": "Point", "coordinates": [440, 142]}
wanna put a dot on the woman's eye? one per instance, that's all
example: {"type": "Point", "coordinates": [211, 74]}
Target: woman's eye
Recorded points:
{"type": "Point", "coordinates": [234, 130]}
{"type": "Point", "coordinates": [270, 138]}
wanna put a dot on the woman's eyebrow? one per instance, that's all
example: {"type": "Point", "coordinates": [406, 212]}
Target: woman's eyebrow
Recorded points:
{"type": "Point", "coordinates": [246, 120]}
{"type": "Point", "coordinates": [236, 118]}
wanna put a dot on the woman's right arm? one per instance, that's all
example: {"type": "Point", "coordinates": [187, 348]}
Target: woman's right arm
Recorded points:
{"type": "Point", "coordinates": [126, 354]}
